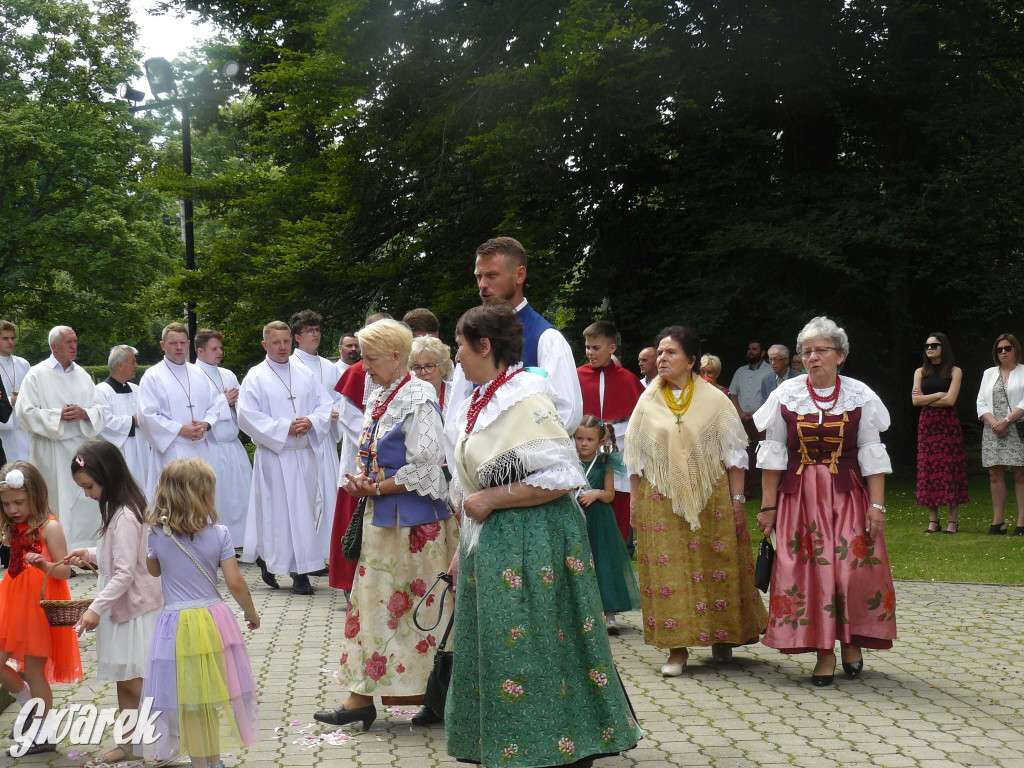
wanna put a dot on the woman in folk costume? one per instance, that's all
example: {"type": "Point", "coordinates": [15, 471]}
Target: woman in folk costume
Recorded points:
{"type": "Point", "coordinates": [686, 448]}
{"type": "Point", "coordinates": [409, 534]}
{"type": "Point", "coordinates": [824, 490]}
{"type": "Point", "coordinates": [533, 683]}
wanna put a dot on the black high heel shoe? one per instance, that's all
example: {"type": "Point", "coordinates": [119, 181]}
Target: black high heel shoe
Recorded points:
{"type": "Point", "coordinates": [936, 529]}
{"type": "Point", "coordinates": [268, 578]}
{"type": "Point", "coordinates": [823, 681]}
{"type": "Point", "coordinates": [997, 530]}
{"type": "Point", "coordinates": [854, 668]}
{"type": "Point", "coordinates": [342, 716]}
{"type": "Point", "coordinates": [956, 527]}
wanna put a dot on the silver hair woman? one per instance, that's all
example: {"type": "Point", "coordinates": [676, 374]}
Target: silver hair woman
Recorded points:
{"type": "Point", "coordinates": [824, 490]}
{"type": "Point", "coordinates": [430, 359]}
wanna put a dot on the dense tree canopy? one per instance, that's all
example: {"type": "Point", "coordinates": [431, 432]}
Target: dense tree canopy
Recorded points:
{"type": "Point", "coordinates": [736, 166]}
{"type": "Point", "coordinates": [81, 242]}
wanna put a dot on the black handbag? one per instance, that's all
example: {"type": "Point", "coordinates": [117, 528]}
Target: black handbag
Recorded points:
{"type": "Point", "coordinates": [441, 675]}
{"type": "Point", "coordinates": [352, 541]}
{"type": "Point", "coordinates": [763, 566]}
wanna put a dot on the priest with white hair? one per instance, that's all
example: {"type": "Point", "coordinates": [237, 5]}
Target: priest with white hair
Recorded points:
{"type": "Point", "coordinates": [121, 398]}
{"type": "Point", "coordinates": [287, 413]}
{"type": "Point", "coordinates": [178, 406]}
{"type": "Point", "coordinates": [59, 407]}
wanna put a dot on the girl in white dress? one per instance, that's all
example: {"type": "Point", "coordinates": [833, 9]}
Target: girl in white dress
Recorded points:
{"type": "Point", "coordinates": [129, 600]}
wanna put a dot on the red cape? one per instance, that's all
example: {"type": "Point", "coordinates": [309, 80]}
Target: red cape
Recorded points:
{"type": "Point", "coordinates": [352, 384]}
{"type": "Point", "coordinates": [621, 391]}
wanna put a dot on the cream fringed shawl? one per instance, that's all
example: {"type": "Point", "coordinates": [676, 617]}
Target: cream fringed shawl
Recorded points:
{"type": "Point", "coordinates": [518, 437]}
{"type": "Point", "coordinates": [683, 461]}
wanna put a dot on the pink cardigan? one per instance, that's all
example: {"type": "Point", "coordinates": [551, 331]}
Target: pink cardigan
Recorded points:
{"type": "Point", "coordinates": [130, 590]}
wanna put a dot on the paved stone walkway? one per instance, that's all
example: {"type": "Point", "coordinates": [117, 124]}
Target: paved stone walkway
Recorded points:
{"type": "Point", "coordinates": [949, 694]}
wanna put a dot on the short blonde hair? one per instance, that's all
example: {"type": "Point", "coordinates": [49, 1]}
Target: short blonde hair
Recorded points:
{"type": "Point", "coordinates": [438, 351]}
{"type": "Point", "coordinates": [173, 328]}
{"type": "Point", "coordinates": [714, 362]}
{"type": "Point", "coordinates": [385, 337]}
{"type": "Point", "coordinates": [275, 325]}
{"type": "Point", "coordinates": [185, 497]}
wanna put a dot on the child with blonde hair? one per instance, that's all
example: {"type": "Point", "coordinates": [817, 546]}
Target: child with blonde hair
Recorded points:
{"type": "Point", "coordinates": [198, 672]}
{"type": "Point", "coordinates": [44, 654]}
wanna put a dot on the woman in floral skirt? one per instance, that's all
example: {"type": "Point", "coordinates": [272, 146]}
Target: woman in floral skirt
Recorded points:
{"type": "Point", "coordinates": [941, 459]}
{"type": "Point", "coordinates": [533, 682]}
{"type": "Point", "coordinates": [408, 533]}
{"type": "Point", "coordinates": [823, 494]}
{"type": "Point", "coordinates": [687, 447]}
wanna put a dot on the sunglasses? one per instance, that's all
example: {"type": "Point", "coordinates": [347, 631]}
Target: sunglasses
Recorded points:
{"type": "Point", "coordinates": [1003, 349]}
{"type": "Point", "coordinates": [934, 345]}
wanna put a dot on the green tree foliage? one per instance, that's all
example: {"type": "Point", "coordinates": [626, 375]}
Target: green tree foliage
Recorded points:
{"type": "Point", "coordinates": [736, 166]}
{"type": "Point", "coordinates": [81, 242]}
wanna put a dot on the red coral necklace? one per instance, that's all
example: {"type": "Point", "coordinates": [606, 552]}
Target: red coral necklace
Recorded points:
{"type": "Point", "coordinates": [479, 400]}
{"type": "Point", "coordinates": [826, 403]}
{"type": "Point", "coordinates": [379, 408]}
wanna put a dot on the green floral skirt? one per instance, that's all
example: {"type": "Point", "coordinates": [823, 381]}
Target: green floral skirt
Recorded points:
{"type": "Point", "coordinates": [533, 682]}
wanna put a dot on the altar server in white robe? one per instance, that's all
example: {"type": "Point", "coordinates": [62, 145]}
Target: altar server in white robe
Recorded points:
{"type": "Point", "coordinates": [13, 369]}
{"type": "Point", "coordinates": [121, 398]}
{"type": "Point", "coordinates": [306, 334]}
{"type": "Point", "coordinates": [228, 458]}
{"type": "Point", "coordinates": [58, 406]}
{"type": "Point", "coordinates": [178, 406]}
{"type": "Point", "coordinates": [287, 414]}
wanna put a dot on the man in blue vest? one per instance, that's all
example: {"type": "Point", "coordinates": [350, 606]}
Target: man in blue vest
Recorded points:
{"type": "Point", "coordinates": [500, 275]}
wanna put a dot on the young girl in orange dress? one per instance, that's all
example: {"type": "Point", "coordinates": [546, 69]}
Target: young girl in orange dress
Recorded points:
{"type": "Point", "coordinates": [43, 654]}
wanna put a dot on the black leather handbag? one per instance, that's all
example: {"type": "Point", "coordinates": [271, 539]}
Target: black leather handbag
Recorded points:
{"type": "Point", "coordinates": [352, 541]}
{"type": "Point", "coordinates": [441, 675]}
{"type": "Point", "coordinates": [763, 566]}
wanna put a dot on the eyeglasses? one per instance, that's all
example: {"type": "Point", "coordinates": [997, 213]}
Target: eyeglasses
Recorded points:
{"type": "Point", "coordinates": [309, 331]}
{"type": "Point", "coordinates": [819, 351]}
{"type": "Point", "coordinates": [1000, 350]}
{"type": "Point", "coordinates": [932, 345]}
{"type": "Point", "coordinates": [778, 359]}
{"type": "Point", "coordinates": [428, 368]}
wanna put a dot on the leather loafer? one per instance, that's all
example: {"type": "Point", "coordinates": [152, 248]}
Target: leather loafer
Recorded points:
{"type": "Point", "coordinates": [342, 716]}
{"type": "Point", "coordinates": [426, 716]}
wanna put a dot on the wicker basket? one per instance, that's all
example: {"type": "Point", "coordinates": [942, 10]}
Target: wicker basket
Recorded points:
{"type": "Point", "coordinates": [63, 613]}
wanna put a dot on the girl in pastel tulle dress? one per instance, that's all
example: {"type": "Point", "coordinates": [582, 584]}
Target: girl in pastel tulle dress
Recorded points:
{"type": "Point", "coordinates": [128, 603]}
{"type": "Point", "coordinates": [42, 653]}
{"type": "Point", "coordinates": [198, 673]}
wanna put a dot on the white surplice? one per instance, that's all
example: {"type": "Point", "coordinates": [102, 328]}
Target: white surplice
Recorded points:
{"type": "Point", "coordinates": [42, 396]}
{"type": "Point", "coordinates": [166, 391]}
{"type": "Point", "coordinates": [229, 460]}
{"type": "Point", "coordinates": [121, 407]}
{"type": "Point", "coordinates": [327, 451]}
{"type": "Point", "coordinates": [284, 526]}
{"type": "Point", "coordinates": [17, 442]}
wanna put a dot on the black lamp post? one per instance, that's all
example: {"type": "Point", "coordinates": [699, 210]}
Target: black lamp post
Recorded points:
{"type": "Point", "coordinates": [160, 75]}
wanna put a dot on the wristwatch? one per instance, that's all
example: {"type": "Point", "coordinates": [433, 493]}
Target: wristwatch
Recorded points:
{"type": "Point", "coordinates": [879, 507]}
{"type": "Point", "coordinates": [740, 498]}
{"type": "Point", "coordinates": [377, 486]}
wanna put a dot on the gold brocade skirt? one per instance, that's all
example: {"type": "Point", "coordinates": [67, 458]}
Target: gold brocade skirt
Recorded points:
{"type": "Point", "coordinates": [696, 587]}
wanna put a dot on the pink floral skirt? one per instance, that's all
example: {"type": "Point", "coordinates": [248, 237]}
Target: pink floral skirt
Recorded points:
{"type": "Point", "coordinates": [829, 582]}
{"type": "Point", "coordinates": [696, 587]}
{"type": "Point", "coordinates": [383, 654]}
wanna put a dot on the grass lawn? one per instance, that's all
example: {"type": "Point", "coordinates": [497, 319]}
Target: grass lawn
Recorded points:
{"type": "Point", "coordinates": [970, 555]}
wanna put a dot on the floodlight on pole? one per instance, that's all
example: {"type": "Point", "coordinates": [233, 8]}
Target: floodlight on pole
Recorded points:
{"type": "Point", "coordinates": [128, 93]}
{"type": "Point", "coordinates": [160, 76]}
